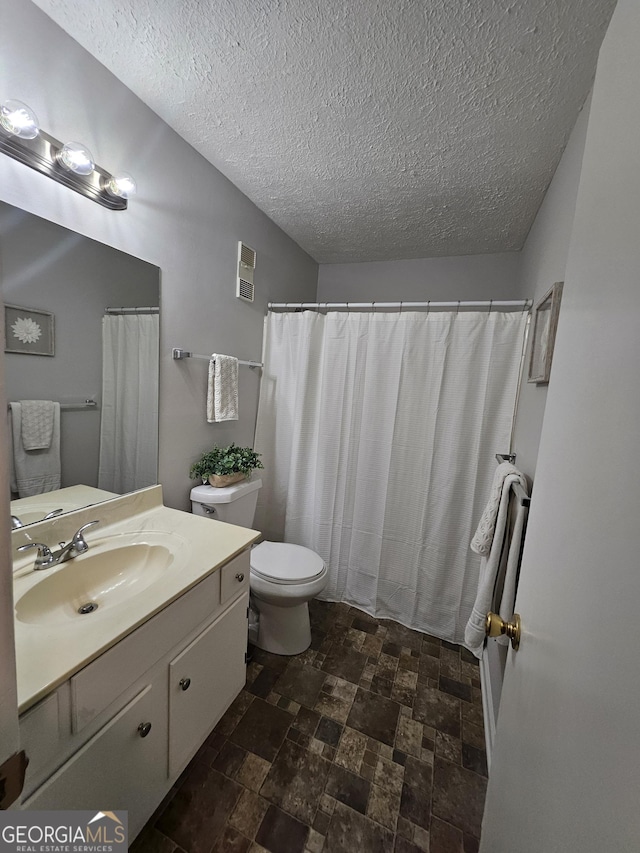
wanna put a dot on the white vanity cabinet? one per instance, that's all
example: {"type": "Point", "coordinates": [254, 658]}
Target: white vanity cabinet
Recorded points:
{"type": "Point", "coordinates": [208, 674]}
{"type": "Point", "coordinates": [118, 733]}
{"type": "Point", "coordinates": [123, 764]}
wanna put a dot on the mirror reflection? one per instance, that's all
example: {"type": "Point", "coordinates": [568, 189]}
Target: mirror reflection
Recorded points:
{"type": "Point", "coordinates": [81, 366]}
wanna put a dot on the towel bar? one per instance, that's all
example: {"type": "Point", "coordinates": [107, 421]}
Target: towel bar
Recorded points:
{"type": "Point", "coordinates": [178, 354]}
{"type": "Point", "coordinates": [81, 404]}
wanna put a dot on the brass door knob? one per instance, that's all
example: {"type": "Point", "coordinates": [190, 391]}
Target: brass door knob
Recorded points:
{"type": "Point", "coordinates": [497, 627]}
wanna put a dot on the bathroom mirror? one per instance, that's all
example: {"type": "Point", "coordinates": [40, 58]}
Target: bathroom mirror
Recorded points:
{"type": "Point", "coordinates": [51, 271]}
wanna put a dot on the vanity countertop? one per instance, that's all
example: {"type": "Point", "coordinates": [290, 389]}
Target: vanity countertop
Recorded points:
{"type": "Point", "coordinates": [34, 508]}
{"type": "Point", "coordinates": [48, 654]}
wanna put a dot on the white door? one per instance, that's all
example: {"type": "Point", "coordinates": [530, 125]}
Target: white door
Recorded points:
{"type": "Point", "coordinates": [565, 774]}
{"type": "Point", "coordinates": [9, 740]}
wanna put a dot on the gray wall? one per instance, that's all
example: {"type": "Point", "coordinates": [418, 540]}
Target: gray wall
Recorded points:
{"type": "Point", "coordinates": [50, 268]}
{"type": "Point", "coordinates": [186, 219]}
{"type": "Point", "coordinates": [543, 262]}
{"type": "Point", "coordinates": [439, 279]}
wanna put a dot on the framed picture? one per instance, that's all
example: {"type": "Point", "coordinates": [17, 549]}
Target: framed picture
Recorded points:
{"type": "Point", "coordinates": [28, 331]}
{"type": "Point", "coordinates": [545, 322]}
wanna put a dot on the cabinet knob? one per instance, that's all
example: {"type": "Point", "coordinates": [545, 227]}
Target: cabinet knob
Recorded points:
{"type": "Point", "coordinates": [185, 683]}
{"type": "Point", "coordinates": [144, 729]}
{"type": "Point", "coordinates": [240, 577]}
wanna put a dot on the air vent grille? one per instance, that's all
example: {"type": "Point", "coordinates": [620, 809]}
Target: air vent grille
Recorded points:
{"type": "Point", "coordinates": [245, 290]}
{"type": "Point", "coordinates": [247, 256]}
{"type": "Point", "coordinates": [246, 266]}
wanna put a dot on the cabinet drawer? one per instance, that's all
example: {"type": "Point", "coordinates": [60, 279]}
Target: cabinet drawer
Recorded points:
{"type": "Point", "coordinates": [234, 576]}
{"type": "Point", "coordinates": [100, 683]}
{"type": "Point", "coordinates": [203, 681]}
{"type": "Point", "coordinates": [117, 767]}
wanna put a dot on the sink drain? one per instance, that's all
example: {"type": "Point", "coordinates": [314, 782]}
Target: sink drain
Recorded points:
{"type": "Point", "coordinates": [89, 607]}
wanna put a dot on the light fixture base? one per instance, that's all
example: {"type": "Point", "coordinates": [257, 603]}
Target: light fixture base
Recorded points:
{"type": "Point", "coordinates": [41, 154]}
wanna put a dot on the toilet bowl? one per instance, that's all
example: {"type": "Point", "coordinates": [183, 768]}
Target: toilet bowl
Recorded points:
{"type": "Point", "coordinates": [284, 577]}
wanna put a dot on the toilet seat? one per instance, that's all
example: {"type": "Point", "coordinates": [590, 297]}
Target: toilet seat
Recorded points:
{"type": "Point", "coordinates": [284, 563]}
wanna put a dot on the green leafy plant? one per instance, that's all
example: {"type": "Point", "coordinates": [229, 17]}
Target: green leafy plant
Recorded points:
{"type": "Point", "coordinates": [225, 460]}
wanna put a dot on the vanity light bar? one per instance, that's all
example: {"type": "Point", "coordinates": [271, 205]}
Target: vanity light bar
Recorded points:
{"type": "Point", "coordinates": [58, 161]}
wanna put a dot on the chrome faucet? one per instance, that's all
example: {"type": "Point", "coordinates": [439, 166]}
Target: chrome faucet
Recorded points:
{"type": "Point", "coordinates": [16, 523]}
{"type": "Point", "coordinates": [46, 558]}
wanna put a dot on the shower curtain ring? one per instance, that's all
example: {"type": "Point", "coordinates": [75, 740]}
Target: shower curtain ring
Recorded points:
{"type": "Point", "coordinates": [458, 308]}
{"type": "Point", "coordinates": [490, 305]}
{"type": "Point", "coordinates": [428, 306]}
{"type": "Point", "coordinates": [373, 305]}
{"type": "Point", "coordinates": [401, 306]}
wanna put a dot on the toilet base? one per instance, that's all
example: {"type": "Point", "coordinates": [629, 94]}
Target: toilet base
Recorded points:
{"type": "Point", "coordinates": [283, 630]}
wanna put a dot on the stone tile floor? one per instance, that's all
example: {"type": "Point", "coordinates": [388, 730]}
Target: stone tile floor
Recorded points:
{"type": "Point", "coordinates": [370, 741]}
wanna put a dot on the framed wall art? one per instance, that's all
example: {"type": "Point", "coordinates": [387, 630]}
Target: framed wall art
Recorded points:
{"type": "Point", "coordinates": [28, 331]}
{"type": "Point", "coordinates": [545, 322]}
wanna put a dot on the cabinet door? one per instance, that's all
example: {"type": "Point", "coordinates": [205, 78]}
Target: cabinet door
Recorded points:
{"type": "Point", "coordinates": [203, 681]}
{"type": "Point", "coordinates": [117, 769]}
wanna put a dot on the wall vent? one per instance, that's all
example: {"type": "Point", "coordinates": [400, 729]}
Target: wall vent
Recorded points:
{"type": "Point", "coordinates": [246, 267]}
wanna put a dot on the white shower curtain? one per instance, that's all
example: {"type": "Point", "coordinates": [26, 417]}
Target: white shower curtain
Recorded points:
{"type": "Point", "coordinates": [378, 434]}
{"type": "Point", "coordinates": [129, 424]}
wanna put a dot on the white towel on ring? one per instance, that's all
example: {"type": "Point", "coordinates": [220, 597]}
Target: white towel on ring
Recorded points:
{"type": "Point", "coordinates": [222, 389]}
{"type": "Point", "coordinates": [481, 542]}
{"type": "Point", "coordinates": [474, 634]}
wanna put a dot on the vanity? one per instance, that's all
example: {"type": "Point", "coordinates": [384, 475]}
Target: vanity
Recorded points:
{"type": "Point", "coordinates": [128, 654]}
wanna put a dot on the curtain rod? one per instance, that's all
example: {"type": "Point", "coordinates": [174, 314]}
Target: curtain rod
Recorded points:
{"type": "Point", "coordinates": [524, 304]}
{"type": "Point", "coordinates": [147, 310]}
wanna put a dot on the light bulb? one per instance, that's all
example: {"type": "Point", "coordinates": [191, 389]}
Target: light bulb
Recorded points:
{"type": "Point", "coordinates": [77, 158]}
{"type": "Point", "coordinates": [19, 120]}
{"type": "Point", "coordinates": [122, 185]}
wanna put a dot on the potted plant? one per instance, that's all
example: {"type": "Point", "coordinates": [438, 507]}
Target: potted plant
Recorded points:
{"type": "Point", "coordinates": [222, 466]}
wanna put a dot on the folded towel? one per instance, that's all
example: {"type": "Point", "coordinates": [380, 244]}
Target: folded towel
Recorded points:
{"type": "Point", "coordinates": [37, 424]}
{"type": "Point", "coordinates": [474, 635]}
{"type": "Point", "coordinates": [222, 389]}
{"type": "Point", "coordinates": [481, 542]}
{"type": "Point", "coordinates": [34, 471]}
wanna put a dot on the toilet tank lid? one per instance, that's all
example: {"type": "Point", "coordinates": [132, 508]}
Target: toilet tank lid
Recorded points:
{"type": "Point", "coordinates": [211, 495]}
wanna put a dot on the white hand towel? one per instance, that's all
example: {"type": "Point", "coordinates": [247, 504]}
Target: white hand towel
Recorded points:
{"type": "Point", "coordinates": [222, 389]}
{"type": "Point", "coordinates": [475, 631]}
{"type": "Point", "coordinates": [37, 424]}
{"type": "Point", "coordinates": [35, 471]}
{"type": "Point", "coordinates": [481, 542]}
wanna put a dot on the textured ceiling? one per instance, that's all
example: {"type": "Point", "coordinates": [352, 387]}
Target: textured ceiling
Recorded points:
{"type": "Point", "coordinates": [367, 129]}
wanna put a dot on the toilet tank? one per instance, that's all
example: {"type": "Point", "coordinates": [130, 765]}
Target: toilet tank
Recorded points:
{"type": "Point", "coordinates": [234, 504]}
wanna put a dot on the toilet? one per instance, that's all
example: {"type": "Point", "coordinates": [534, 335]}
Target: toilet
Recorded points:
{"type": "Point", "coordinates": [284, 577]}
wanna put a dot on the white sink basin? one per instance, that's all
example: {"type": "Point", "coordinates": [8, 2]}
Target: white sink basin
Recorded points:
{"type": "Point", "coordinates": [108, 575]}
